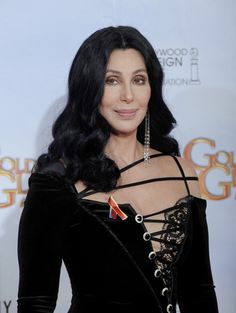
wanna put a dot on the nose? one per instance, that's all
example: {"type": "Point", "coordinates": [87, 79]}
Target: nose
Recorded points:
{"type": "Point", "coordinates": [127, 93]}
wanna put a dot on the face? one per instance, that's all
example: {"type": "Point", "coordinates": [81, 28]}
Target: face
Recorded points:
{"type": "Point", "coordinates": [126, 92]}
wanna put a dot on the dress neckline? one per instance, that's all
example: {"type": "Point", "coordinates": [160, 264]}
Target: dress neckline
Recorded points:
{"type": "Point", "coordinates": [135, 212]}
{"type": "Point", "coordinates": [87, 191]}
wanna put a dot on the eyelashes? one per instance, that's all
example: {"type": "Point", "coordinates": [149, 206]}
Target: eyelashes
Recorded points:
{"type": "Point", "coordinates": [140, 80]}
{"type": "Point", "coordinates": [111, 81]}
{"type": "Point", "coordinates": [115, 80]}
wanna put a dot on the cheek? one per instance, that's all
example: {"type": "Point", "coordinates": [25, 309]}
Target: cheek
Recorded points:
{"type": "Point", "coordinates": [105, 105]}
{"type": "Point", "coordinates": [108, 98]}
{"type": "Point", "coordinates": [144, 96]}
{"type": "Point", "coordinates": [102, 110]}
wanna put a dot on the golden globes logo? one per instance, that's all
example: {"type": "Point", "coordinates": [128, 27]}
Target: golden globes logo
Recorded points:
{"type": "Point", "coordinates": [227, 167]}
{"type": "Point", "coordinates": [11, 172]}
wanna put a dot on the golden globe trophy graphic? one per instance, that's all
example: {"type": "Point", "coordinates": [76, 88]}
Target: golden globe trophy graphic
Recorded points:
{"type": "Point", "coordinates": [194, 67]}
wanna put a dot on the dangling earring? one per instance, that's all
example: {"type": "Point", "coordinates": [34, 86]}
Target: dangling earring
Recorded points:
{"type": "Point", "coordinates": [146, 155]}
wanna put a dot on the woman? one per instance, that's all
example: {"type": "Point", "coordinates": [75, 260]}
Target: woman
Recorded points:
{"type": "Point", "coordinates": [112, 198]}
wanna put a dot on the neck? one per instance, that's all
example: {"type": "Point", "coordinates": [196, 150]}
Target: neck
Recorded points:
{"type": "Point", "coordinates": [124, 149]}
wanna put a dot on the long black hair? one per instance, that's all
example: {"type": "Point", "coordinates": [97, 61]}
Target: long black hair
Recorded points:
{"type": "Point", "coordinates": [80, 133]}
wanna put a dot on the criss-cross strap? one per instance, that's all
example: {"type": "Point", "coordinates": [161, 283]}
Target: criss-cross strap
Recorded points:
{"type": "Point", "coordinates": [182, 173]}
{"type": "Point", "coordinates": [87, 191]}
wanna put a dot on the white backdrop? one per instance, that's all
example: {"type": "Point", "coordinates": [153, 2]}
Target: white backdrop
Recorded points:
{"type": "Point", "coordinates": [195, 41]}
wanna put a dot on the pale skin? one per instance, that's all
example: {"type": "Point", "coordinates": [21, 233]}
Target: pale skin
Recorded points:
{"type": "Point", "coordinates": [127, 88]}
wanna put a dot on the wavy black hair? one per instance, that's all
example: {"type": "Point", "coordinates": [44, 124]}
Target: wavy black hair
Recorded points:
{"type": "Point", "coordinates": [80, 133]}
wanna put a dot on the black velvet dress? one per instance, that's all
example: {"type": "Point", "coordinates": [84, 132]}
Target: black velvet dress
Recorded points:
{"type": "Point", "coordinates": [111, 262]}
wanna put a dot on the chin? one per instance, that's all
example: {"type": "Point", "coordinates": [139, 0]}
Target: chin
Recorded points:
{"type": "Point", "coordinates": [124, 131]}
{"type": "Point", "coordinates": [125, 128]}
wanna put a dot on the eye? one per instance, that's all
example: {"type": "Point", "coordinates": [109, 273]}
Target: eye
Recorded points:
{"type": "Point", "coordinates": [140, 80]}
{"type": "Point", "coordinates": [111, 81]}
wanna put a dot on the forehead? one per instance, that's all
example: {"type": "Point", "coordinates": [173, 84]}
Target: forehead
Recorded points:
{"type": "Point", "coordinates": [125, 59]}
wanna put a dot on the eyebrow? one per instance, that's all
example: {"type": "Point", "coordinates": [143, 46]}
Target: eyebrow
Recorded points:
{"type": "Point", "coordinates": [119, 73]}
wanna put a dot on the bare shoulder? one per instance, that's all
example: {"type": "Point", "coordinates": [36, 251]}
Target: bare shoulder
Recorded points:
{"type": "Point", "coordinates": [190, 171]}
{"type": "Point", "coordinates": [187, 167]}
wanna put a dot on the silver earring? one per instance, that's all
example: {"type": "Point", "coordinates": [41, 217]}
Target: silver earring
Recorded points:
{"type": "Point", "coordinates": [146, 151]}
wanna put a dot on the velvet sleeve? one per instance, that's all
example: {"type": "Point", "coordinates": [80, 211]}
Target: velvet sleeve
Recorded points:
{"type": "Point", "coordinates": [195, 287]}
{"type": "Point", "coordinates": [40, 238]}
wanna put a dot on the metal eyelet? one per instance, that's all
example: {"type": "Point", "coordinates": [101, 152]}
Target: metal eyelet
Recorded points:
{"type": "Point", "coordinates": [147, 236]}
{"type": "Point", "coordinates": [139, 218]}
{"type": "Point", "coordinates": [152, 255]}
{"type": "Point", "coordinates": [169, 308]}
{"type": "Point", "coordinates": [157, 273]}
{"type": "Point", "coordinates": [164, 290]}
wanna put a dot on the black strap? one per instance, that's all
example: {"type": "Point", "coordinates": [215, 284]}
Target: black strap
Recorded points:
{"type": "Point", "coordinates": [151, 180]}
{"type": "Point", "coordinates": [182, 173]}
{"type": "Point", "coordinates": [139, 161]}
{"type": "Point", "coordinates": [85, 192]}
{"type": "Point", "coordinates": [82, 193]}
{"type": "Point", "coordinates": [140, 183]}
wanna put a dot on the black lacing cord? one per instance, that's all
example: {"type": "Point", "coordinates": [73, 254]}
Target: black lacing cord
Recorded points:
{"type": "Point", "coordinates": [160, 232]}
{"type": "Point", "coordinates": [163, 241]}
{"type": "Point", "coordinates": [164, 210]}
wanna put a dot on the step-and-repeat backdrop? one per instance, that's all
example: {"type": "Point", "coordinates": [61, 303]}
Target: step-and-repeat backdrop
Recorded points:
{"type": "Point", "coordinates": [195, 42]}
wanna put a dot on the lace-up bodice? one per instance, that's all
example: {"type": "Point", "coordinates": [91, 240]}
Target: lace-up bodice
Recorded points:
{"type": "Point", "coordinates": [167, 242]}
{"type": "Point", "coordinates": [164, 230]}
